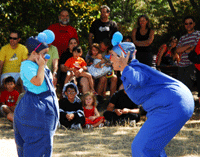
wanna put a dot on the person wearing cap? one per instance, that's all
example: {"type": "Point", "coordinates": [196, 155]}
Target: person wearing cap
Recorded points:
{"type": "Point", "coordinates": [168, 102]}
{"type": "Point", "coordinates": [11, 56]}
{"type": "Point", "coordinates": [36, 114]}
{"type": "Point", "coordinates": [71, 111]}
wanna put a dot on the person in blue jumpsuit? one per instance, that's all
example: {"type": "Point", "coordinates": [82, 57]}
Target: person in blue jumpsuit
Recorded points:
{"type": "Point", "coordinates": [36, 115]}
{"type": "Point", "coordinates": [168, 102]}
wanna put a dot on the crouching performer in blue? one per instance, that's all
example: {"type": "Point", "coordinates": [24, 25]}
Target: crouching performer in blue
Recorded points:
{"type": "Point", "coordinates": [36, 115]}
{"type": "Point", "coordinates": [168, 102]}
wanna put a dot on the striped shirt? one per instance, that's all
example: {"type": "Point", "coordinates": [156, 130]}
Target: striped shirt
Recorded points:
{"type": "Point", "coordinates": [188, 39]}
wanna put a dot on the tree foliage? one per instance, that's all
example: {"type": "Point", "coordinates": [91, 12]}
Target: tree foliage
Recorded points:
{"type": "Point", "coordinates": [33, 16]}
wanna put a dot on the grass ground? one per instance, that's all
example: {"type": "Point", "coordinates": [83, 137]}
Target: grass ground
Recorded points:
{"type": "Point", "coordinates": [107, 141]}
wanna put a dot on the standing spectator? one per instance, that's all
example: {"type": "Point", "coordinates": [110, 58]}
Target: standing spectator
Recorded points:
{"type": "Point", "coordinates": [52, 63]}
{"type": "Point", "coordinates": [185, 45]}
{"type": "Point", "coordinates": [9, 98]}
{"type": "Point", "coordinates": [102, 28]}
{"type": "Point", "coordinates": [11, 56]}
{"type": "Point", "coordinates": [63, 32]}
{"type": "Point", "coordinates": [143, 37]}
{"type": "Point", "coordinates": [121, 109]}
{"type": "Point", "coordinates": [71, 111]}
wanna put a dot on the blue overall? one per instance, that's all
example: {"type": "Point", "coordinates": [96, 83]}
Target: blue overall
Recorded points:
{"type": "Point", "coordinates": [168, 102]}
{"type": "Point", "coordinates": [35, 121]}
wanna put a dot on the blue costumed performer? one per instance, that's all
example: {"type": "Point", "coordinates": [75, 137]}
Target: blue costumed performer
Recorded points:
{"type": "Point", "coordinates": [168, 102]}
{"type": "Point", "coordinates": [36, 115]}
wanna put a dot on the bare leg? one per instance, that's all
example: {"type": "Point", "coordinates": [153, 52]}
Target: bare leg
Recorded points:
{"type": "Point", "coordinates": [10, 114]}
{"type": "Point", "coordinates": [101, 85]}
{"type": "Point", "coordinates": [113, 85]}
{"type": "Point", "coordinates": [68, 76]}
{"type": "Point", "coordinates": [97, 124]}
{"type": "Point", "coordinates": [85, 85]}
{"type": "Point", "coordinates": [90, 79]}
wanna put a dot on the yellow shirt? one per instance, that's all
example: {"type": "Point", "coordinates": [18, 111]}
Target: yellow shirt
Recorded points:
{"type": "Point", "coordinates": [12, 58]}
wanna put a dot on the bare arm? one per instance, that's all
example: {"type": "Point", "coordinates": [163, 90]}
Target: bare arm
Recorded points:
{"type": "Point", "coordinates": [1, 66]}
{"type": "Point", "coordinates": [39, 78]}
{"type": "Point", "coordinates": [110, 107]}
{"type": "Point", "coordinates": [145, 42]}
{"type": "Point", "coordinates": [55, 65]}
{"type": "Point", "coordinates": [162, 51]}
{"type": "Point", "coordinates": [186, 48]}
{"type": "Point", "coordinates": [90, 39]}
{"type": "Point", "coordinates": [96, 113]}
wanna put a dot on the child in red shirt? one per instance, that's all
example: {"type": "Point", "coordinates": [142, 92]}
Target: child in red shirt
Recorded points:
{"type": "Point", "coordinates": [76, 66]}
{"type": "Point", "coordinates": [92, 116]}
{"type": "Point", "coordinates": [8, 98]}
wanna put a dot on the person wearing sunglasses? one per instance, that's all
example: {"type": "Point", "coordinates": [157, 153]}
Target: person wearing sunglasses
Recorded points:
{"type": "Point", "coordinates": [11, 56]}
{"type": "Point", "coordinates": [185, 45]}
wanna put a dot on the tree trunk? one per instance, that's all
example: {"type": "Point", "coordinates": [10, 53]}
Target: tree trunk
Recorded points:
{"type": "Point", "coordinates": [172, 8]}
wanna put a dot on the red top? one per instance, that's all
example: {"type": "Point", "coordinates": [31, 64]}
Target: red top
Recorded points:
{"type": "Point", "coordinates": [62, 36]}
{"type": "Point", "coordinates": [197, 50]}
{"type": "Point", "coordinates": [9, 98]}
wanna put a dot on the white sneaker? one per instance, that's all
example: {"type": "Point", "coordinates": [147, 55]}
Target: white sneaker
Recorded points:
{"type": "Point", "coordinates": [133, 123]}
{"type": "Point", "coordinates": [76, 126]}
{"type": "Point", "coordinates": [101, 125]}
{"type": "Point", "coordinates": [88, 126]}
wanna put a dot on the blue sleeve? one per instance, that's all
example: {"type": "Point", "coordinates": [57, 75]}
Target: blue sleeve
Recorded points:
{"type": "Point", "coordinates": [133, 76]}
{"type": "Point", "coordinates": [29, 70]}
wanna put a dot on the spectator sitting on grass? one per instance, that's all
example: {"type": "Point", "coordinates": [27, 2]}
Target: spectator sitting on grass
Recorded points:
{"type": "Point", "coordinates": [121, 109]}
{"type": "Point", "coordinates": [9, 98]}
{"type": "Point", "coordinates": [71, 111]}
{"type": "Point", "coordinates": [92, 116]}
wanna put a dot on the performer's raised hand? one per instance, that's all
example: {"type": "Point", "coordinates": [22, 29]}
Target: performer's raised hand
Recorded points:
{"type": "Point", "coordinates": [119, 62]}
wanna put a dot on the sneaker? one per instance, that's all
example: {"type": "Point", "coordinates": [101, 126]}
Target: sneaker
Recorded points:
{"type": "Point", "coordinates": [133, 123]}
{"type": "Point", "coordinates": [101, 125]}
{"type": "Point", "coordinates": [76, 126]}
{"type": "Point", "coordinates": [107, 123]}
{"type": "Point", "coordinates": [88, 126]}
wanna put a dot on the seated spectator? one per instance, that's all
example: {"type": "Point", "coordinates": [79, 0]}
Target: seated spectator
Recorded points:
{"type": "Point", "coordinates": [11, 56]}
{"type": "Point", "coordinates": [94, 51]}
{"type": "Point", "coordinates": [127, 39]}
{"type": "Point", "coordinates": [92, 116]}
{"type": "Point", "coordinates": [64, 57]}
{"type": "Point", "coordinates": [76, 66]}
{"type": "Point", "coordinates": [167, 53]}
{"type": "Point", "coordinates": [121, 109]}
{"type": "Point", "coordinates": [71, 111]}
{"type": "Point", "coordinates": [52, 63]}
{"type": "Point", "coordinates": [9, 98]}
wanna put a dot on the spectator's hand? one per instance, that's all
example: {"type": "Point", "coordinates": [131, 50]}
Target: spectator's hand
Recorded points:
{"type": "Point", "coordinates": [76, 72]}
{"type": "Point", "coordinates": [118, 112]}
{"type": "Point", "coordinates": [125, 111]}
{"type": "Point", "coordinates": [70, 117]}
{"type": "Point", "coordinates": [92, 118]}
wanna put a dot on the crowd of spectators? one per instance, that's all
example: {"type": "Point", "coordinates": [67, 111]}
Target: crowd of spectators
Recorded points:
{"type": "Point", "coordinates": [68, 66]}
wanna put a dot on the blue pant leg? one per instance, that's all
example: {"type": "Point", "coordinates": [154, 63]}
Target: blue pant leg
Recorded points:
{"type": "Point", "coordinates": [37, 141]}
{"type": "Point", "coordinates": [163, 123]}
{"type": "Point", "coordinates": [18, 139]}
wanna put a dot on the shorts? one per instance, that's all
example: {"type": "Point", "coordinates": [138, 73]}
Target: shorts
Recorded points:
{"type": "Point", "coordinates": [16, 76]}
